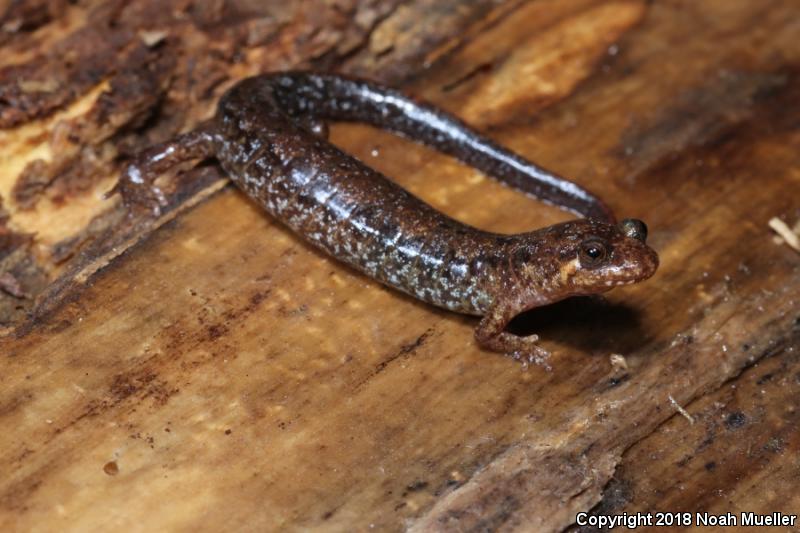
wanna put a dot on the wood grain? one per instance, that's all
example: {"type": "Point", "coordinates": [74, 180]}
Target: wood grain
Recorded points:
{"type": "Point", "coordinates": [210, 371]}
{"type": "Point", "coordinates": [739, 454]}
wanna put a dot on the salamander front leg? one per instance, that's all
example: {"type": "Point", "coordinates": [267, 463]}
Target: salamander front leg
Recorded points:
{"type": "Point", "coordinates": [490, 334]}
{"type": "Point", "coordinates": [137, 184]}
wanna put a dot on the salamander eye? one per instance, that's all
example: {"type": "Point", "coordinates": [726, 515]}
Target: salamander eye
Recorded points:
{"type": "Point", "coordinates": [592, 252]}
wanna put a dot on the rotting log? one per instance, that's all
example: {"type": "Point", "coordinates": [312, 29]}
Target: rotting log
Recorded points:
{"type": "Point", "coordinates": [735, 451]}
{"type": "Point", "coordinates": [208, 370]}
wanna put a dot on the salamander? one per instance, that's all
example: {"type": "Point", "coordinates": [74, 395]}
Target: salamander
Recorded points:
{"type": "Point", "coordinates": [269, 135]}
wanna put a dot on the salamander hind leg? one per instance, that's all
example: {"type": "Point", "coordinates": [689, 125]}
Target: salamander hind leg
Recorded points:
{"type": "Point", "coordinates": [314, 125]}
{"type": "Point", "coordinates": [490, 334]}
{"type": "Point", "coordinates": [137, 182]}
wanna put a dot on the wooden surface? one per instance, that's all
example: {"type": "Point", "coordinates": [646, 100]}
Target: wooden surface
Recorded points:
{"type": "Point", "coordinates": [210, 371]}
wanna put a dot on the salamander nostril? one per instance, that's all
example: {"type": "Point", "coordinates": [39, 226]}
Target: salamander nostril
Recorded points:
{"type": "Point", "coordinates": [634, 228]}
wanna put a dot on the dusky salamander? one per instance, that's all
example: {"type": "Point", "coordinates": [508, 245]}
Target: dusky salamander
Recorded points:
{"type": "Point", "coordinates": [269, 135]}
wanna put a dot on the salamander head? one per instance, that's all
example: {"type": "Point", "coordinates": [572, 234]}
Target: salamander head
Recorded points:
{"type": "Point", "coordinates": [606, 256]}
{"type": "Point", "coordinates": [583, 257]}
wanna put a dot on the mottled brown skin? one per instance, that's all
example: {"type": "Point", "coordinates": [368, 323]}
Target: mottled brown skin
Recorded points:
{"type": "Point", "coordinates": [269, 136]}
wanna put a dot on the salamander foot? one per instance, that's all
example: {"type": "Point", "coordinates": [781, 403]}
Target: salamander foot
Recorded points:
{"type": "Point", "coordinates": [491, 336]}
{"type": "Point", "coordinates": [137, 183]}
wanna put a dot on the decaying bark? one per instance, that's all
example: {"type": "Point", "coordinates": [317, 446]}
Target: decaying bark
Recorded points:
{"type": "Point", "coordinates": [207, 370]}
